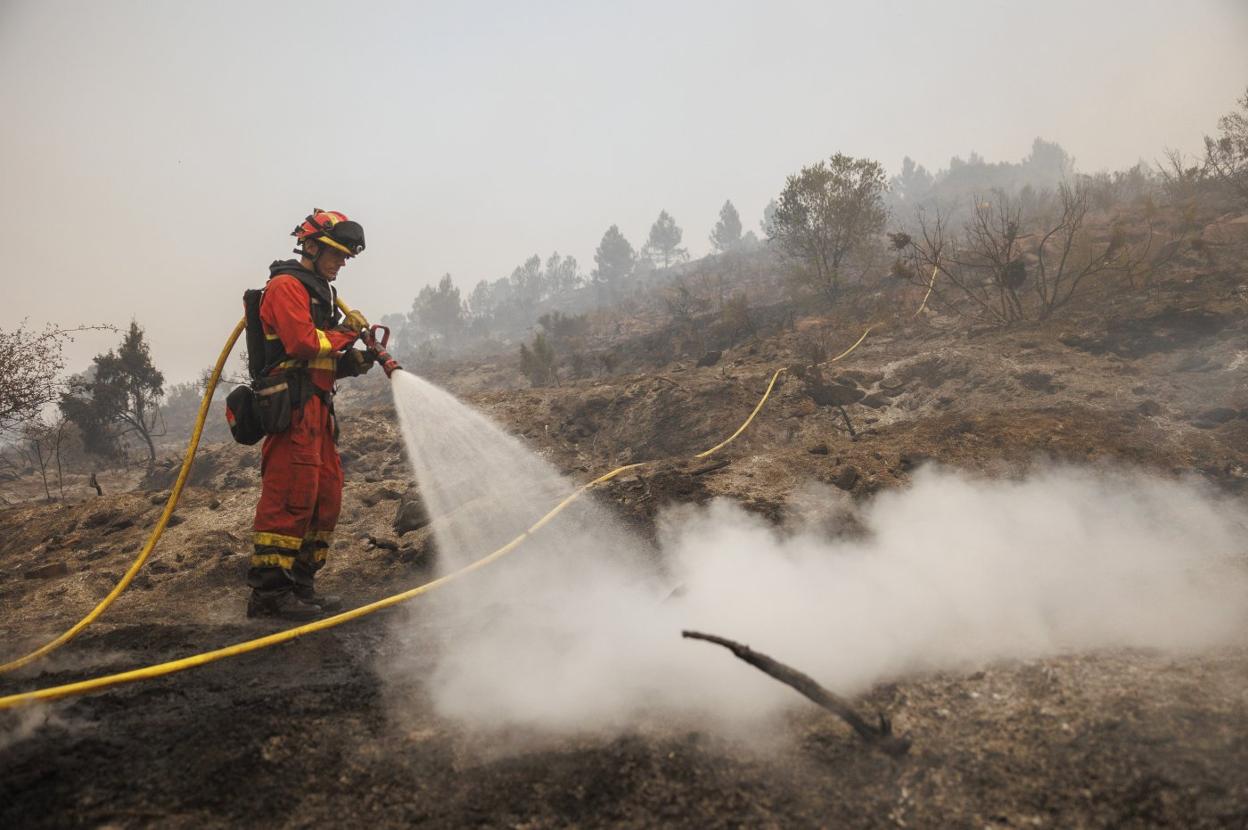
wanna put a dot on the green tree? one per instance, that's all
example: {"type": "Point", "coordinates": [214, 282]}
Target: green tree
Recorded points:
{"type": "Point", "coordinates": [912, 185]}
{"type": "Point", "coordinates": [727, 233]}
{"type": "Point", "coordinates": [769, 217]}
{"type": "Point", "coordinates": [528, 288]}
{"type": "Point", "coordinates": [562, 275]}
{"type": "Point", "coordinates": [439, 309]}
{"type": "Point", "coordinates": [826, 213]}
{"type": "Point", "coordinates": [118, 397]}
{"type": "Point", "coordinates": [664, 242]}
{"type": "Point", "coordinates": [538, 363]}
{"type": "Point", "coordinates": [614, 259]}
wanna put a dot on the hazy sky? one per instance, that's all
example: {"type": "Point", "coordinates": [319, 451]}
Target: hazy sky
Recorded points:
{"type": "Point", "coordinates": [155, 155]}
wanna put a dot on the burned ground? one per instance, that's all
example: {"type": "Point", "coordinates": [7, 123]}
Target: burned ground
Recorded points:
{"type": "Point", "coordinates": [303, 734]}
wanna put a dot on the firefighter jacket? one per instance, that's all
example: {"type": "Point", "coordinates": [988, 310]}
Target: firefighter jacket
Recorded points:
{"type": "Point", "coordinates": [299, 318]}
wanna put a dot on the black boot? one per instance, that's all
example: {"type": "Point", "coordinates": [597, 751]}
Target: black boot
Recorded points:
{"type": "Point", "coordinates": [283, 606]}
{"type": "Point", "coordinates": [325, 602]}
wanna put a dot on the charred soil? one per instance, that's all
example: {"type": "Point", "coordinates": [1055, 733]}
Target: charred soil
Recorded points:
{"type": "Point", "coordinates": [304, 734]}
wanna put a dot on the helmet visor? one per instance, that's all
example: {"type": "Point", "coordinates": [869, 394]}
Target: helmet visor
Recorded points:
{"type": "Point", "coordinates": [349, 235]}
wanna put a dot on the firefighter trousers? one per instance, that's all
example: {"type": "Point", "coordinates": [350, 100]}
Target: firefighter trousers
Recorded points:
{"type": "Point", "coordinates": [300, 499]}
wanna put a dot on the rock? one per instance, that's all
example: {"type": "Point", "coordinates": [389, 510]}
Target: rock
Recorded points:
{"type": "Point", "coordinates": [98, 553]}
{"type": "Point", "coordinates": [709, 359]}
{"type": "Point", "coordinates": [818, 449]}
{"type": "Point", "coordinates": [101, 518]}
{"type": "Point", "coordinates": [846, 478]}
{"type": "Point", "coordinates": [1149, 408]}
{"type": "Point", "coordinates": [412, 513]}
{"type": "Point", "coordinates": [175, 520]}
{"type": "Point", "coordinates": [121, 524]}
{"type": "Point", "coordinates": [158, 498]}
{"type": "Point", "coordinates": [215, 504]}
{"type": "Point", "coordinates": [876, 400]}
{"type": "Point", "coordinates": [835, 394]}
{"type": "Point", "coordinates": [383, 542]}
{"type": "Point", "coordinates": [49, 571]}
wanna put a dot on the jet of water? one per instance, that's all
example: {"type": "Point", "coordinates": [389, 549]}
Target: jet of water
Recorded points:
{"type": "Point", "coordinates": [577, 630]}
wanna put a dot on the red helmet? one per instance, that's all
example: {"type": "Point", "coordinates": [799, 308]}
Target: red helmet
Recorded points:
{"type": "Point", "coordinates": [333, 229]}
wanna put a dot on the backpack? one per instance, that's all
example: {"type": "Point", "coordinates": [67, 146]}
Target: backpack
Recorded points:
{"type": "Point", "coordinates": [251, 418]}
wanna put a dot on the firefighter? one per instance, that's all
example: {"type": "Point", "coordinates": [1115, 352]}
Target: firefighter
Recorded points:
{"type": "Point", "coordinates": [308, 345]}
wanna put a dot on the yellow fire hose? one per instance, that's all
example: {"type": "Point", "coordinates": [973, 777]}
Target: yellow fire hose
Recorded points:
{"type": "Point", "coordinates": [170, 504]}
{"type": "Point", "coordinates": [173, 666]}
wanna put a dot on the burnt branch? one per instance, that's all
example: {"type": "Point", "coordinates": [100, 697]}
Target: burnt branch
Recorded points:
{"type": "Point", "coordinates": [879, 736]}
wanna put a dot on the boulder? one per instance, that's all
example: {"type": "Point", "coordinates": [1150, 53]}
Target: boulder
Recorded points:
{"type": "Point", "coordinates": [846, 478]}
{"type": "Point", "coordinates": [412, 513]}
{"type": "Point", "coordinates": [709, 359]}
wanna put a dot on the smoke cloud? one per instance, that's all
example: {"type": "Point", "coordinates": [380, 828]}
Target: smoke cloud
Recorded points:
{"type": "Point", "coordinates": [579, 629]}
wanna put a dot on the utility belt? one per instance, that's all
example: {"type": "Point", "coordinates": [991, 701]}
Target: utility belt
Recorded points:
{"type": "Point", "coordinates": [265, 407]}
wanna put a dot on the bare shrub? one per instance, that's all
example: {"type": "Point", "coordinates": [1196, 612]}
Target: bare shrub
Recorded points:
{"type": "Point", "coordinates": [1008, 263]}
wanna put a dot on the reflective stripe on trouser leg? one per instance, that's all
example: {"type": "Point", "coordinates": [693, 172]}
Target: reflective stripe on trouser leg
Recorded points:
{"type": "Point", "coordinates": [273, 560]}
{"type": "Point", "coordinates": [311, 557]}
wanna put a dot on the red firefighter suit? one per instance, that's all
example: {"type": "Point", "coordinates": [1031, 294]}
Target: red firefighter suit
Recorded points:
{"type": "Point", "coordinates": [302, 475]}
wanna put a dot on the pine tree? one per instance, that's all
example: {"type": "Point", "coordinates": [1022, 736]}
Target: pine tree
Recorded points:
{"type": "Point", "coordinates": [664, 241]}
{"type": "Point", "coordinates": [120, 396]}
{"type": "Point", "coordinates": [440, 309]}
{"type": "Point", "coordinates": [614, 259]}
{"type": "Point", "coordinates": [727, 232]}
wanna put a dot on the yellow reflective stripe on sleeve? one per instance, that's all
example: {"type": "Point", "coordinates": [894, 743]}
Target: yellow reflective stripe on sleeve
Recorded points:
{"type": "Point", "coordinates": [326, 347]}
{"type": "Point", "coordinates": [277, 540]}
{"type": "Point", "coordinates": [268, 336]}
{"type": "Point", "coordinates": [270, 560]}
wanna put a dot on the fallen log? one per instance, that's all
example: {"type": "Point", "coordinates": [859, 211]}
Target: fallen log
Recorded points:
{"type": "Point", "coordinates": [881, 737]}
{"type": "Point", "coordinates": [710, 468]}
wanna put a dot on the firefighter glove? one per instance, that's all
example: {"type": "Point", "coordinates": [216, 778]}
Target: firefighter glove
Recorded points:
{"type": "Point", "coordinates": [363, 360]}
{"type": "Point", "coordinates": [355, 363]}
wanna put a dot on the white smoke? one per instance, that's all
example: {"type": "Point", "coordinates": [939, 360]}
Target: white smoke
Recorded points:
{"type": "Point", "coordinates": [578, 631]}
{"type": "Point", "coordinates": [18, 725]}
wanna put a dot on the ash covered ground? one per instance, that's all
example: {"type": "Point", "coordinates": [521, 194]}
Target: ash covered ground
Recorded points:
{"type": "Point", "coordinates": [319, 732]}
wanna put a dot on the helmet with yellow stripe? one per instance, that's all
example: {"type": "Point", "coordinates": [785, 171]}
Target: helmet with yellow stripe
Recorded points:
{"type": "Point", "coordinates": [329, 227]}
